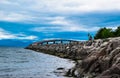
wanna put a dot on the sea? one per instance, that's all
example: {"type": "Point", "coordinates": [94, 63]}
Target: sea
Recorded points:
{"type": "Point", "coordinates": [23, 63]}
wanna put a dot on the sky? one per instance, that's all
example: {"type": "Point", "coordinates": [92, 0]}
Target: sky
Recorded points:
{"type": "Point", "coordinates": [25, 21]}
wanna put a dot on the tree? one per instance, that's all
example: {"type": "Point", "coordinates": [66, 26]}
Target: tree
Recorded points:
{"type": "Point", "coordinates": [117, 32]}
{"type": "Point", "coordinates": [104, 33]}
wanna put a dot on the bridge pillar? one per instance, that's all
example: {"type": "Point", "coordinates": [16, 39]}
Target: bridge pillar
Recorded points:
{"type": "Point", "coordinates": [46, 42]}
{"type": "Point", "coordinates": [53, 42]}
{"type": "Point", "coordinates": [61, 41]}
{"type": "Point", "coordinates": [41, 43]}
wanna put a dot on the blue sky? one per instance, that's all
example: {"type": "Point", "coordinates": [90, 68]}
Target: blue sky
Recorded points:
{"type": "Point", "coordinates": [27, 21]}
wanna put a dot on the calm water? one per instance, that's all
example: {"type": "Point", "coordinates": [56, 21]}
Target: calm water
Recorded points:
{"type": "Point", "coordinates": [22, 63]}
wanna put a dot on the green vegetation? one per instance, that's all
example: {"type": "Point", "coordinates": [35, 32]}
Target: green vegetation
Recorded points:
{"type": "Point", "coordinates": [107, 32]}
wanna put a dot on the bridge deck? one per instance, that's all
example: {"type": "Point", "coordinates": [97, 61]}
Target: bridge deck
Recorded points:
{"type": "Point", "coordinates": [57, 41]}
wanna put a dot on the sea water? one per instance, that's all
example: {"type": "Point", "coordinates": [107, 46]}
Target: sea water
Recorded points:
{"type": "Point", "coordinates": [22, 63]}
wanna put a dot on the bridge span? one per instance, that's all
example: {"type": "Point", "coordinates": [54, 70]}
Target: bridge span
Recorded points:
{"type": "Point", "coordinates": [55, 41]}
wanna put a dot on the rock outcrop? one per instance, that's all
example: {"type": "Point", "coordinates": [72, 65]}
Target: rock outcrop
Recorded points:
{"type": "Point", "coordinates": [72, 50]}
{"type": "Point", "coordinates": [95, 59]}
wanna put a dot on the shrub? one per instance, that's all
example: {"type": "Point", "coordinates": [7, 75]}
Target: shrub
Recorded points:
{"type": "Point", "coordinates": [104, 33]}
{"type": "Point", "coordinates": [107, 32]}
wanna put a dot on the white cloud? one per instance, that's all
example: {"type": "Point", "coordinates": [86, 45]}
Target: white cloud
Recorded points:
{"type": "Point", "coordinates": [27, 38]}
{"type": "Point", "coordinates": [59, 20]}
{"type": "Point", "coordinates": [62, 25]}
{"type": "Point", "coordinates": [79, 28]}
{"type": "Point", "coordinates": [5, 2]}
{"type": "Point", "coordinates": [7, 35]}
{"type": "Point", "coordinates": [38, 8]}
{"type": "Point", "coordinates": [41, 11]}
{"type": "Point", "coordinates": [75, 6]}
{"type": "Point", "coordinates": [15, 17]}
{"type": "Point", "coordinates": [111, 27]}
{"type": "Point", "coordinates": [8, 2]}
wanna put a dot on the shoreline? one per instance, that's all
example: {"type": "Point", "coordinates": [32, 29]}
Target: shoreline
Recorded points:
{"type": "Point", "coordinates": [60, 71]}
{"type": "Point", "coordinates": [94, 59]}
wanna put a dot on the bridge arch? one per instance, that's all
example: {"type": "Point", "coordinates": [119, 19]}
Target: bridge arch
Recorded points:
{"type": "Point", "coordinates": [55, 41]}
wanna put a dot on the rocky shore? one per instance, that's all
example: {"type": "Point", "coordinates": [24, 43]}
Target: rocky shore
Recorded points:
{"type": "Point", "coordinates": [94, 59]}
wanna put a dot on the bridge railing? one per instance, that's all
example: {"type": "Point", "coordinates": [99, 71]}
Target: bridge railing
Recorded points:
{"type": "Point", "coordinates": [46, 42]}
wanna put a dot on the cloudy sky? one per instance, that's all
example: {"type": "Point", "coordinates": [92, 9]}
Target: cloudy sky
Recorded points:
{"type": "Point", "coordinates": [35, 20]}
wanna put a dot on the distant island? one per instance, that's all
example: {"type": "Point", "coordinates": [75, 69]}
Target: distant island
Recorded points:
{"type": "Point", "coordinates": [99, 58]}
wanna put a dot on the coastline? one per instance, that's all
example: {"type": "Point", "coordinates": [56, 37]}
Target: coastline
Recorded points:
{"type": "Point", "coordinates": [94, 59]}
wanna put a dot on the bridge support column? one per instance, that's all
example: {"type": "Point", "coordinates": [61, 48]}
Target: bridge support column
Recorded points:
{"type": "Point", "coordinates": [53, 42]}
{"type": "Point", "coordinates": [41, 43]}
{"type": "Point", "coordinates": [61, 42]}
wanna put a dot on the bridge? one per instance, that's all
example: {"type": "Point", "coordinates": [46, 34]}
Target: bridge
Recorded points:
{"type": "Point", "coordinates": [55, 41]}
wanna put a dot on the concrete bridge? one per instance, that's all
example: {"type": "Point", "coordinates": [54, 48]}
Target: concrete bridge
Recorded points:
{"type": "Point", "coordinates": [55, 41]}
